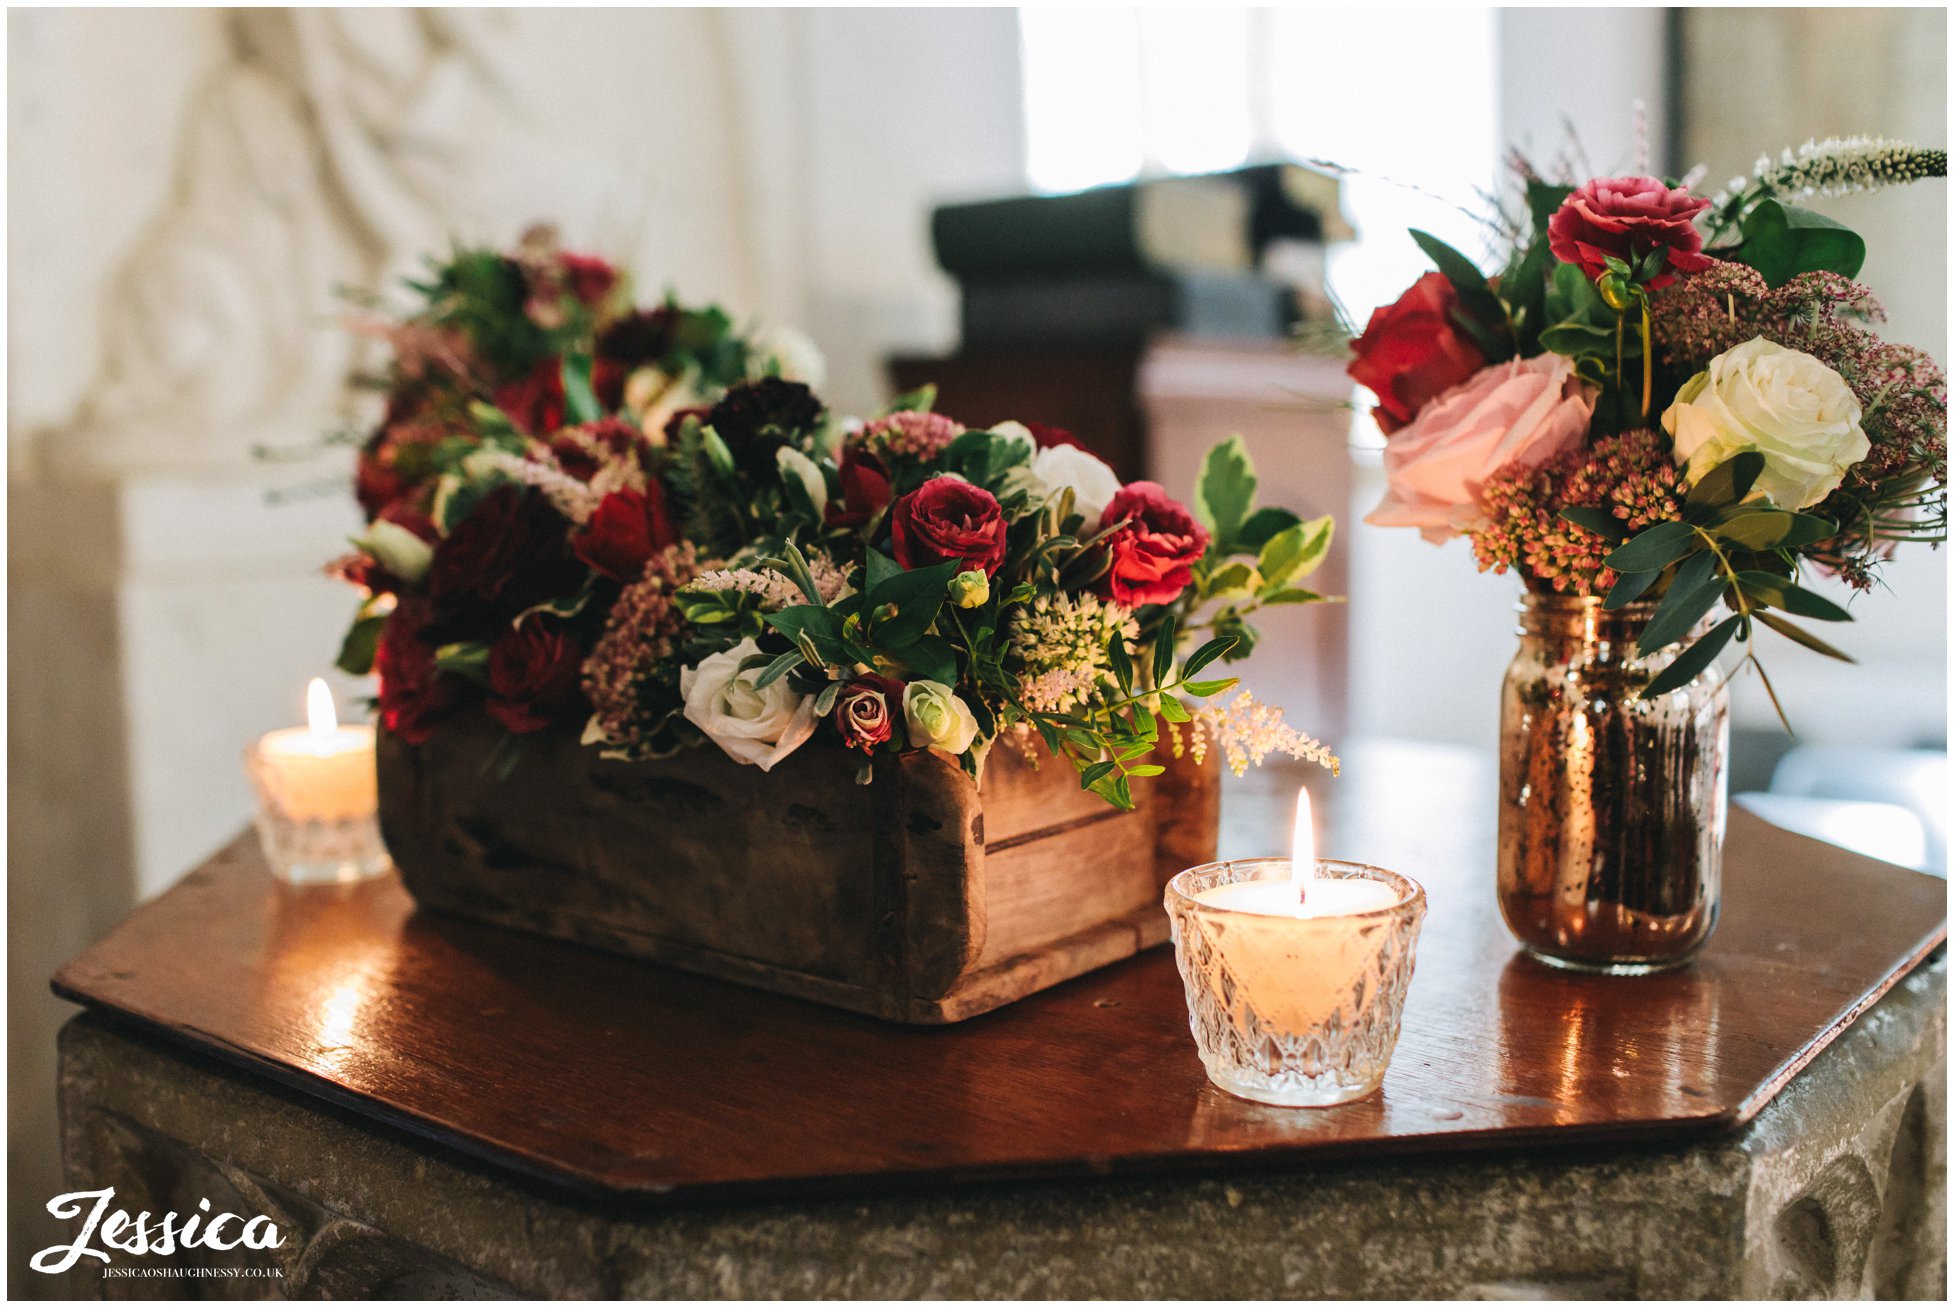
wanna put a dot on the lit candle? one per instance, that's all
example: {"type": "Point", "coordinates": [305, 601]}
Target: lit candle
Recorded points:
{"type": "Point", "coordinates": [1295, 970]}
{"type": "Point", "coordinates": [1302, 893]}
{"type": "Point", "coordinates": [318, 796]}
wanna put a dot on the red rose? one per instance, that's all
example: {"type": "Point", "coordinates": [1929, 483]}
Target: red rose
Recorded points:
{"type": "Point", "coordinates": [485, 550]}
{"type": "Point", "coordinates": [590, 279]}
{"type": "Point", "coordinates": [628, 528]}
{"type": "Point", "coordinates": [1410, 351]}
{"type": "Point", "coordinates": [1047, 436]}
{"type": "Point", "coordinates": [1627, 217]}
{"type": "Point", "coordinates": [534, 673]}
{"type": "Point", "coordinates": [865, 711]}
{"type": "Point", "coordinates": [534, 403]}
{"type": "Point", "coordinates": [1154, 553]}
{"type": "Point", "coordinates": [946, 519]}
{"type": "Point", "coordinates": [413, 692]}
{"type": "Point", "coordinates": [864, 489]}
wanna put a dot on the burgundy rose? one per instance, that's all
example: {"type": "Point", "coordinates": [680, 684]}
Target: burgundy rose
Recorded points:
{"type": "Point", "coordinates": [1154, 553]}
{"type": "Point", "coordinates": [866, 710]}
{"type": "Point", "coordinates": [534, 403]}
{"type": "Point", "coordinates": [589, 278]}
{"type": "Point", "coordinates": [481, 556]}
{"type": "Point", "coordinates": [946, 519]}
{"type": "Point", "coordinates": [628, 528]}
{"type": "Point", "coordinates": [864, 489]}
{"type": "Point", "coordinates": [1047, 436]}
{"type": "Point", "coordinates": [413, 692]}
{"type": "Point", "coordinates": [1411, 351]}
{"type": "Point", "coordinates": [534, 674]}
{"type": "Point", "coordinates": [1627, 217]}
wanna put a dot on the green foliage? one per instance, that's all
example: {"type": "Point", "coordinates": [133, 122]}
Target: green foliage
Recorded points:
{"type": "Point", "coordinates": [1480, 313]}
{"type": "Point", "coordinates": [1224, 493]}
{"type": "Point", "coordinates": [1782, 240]}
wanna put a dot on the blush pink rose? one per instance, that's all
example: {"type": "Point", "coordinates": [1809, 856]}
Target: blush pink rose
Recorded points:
{"type": "Point", "coordinates": [1518, 413]}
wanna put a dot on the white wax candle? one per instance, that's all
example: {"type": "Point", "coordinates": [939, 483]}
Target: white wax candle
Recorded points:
{"type": "Point", "coordinates": [322, 771]}
{"type": "Point", "coordinates": [1318, 897]}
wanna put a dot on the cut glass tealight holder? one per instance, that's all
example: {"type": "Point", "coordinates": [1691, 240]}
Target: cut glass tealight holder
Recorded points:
{"type": "Point", "coordinates": [1294, 1011]}
{"type": "Point", "coordinates": [317, 826]}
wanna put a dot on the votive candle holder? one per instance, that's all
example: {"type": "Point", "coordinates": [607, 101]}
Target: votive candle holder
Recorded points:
{"type": "Point", "coordinates": [1295, 1010]}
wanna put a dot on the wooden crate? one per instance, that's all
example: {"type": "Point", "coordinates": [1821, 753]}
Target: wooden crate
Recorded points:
{"type": "Point", "coordinates": [919, 897]}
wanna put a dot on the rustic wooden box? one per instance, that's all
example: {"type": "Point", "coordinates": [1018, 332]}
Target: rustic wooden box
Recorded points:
{"type": "Point", "coordinates": [918, 898]}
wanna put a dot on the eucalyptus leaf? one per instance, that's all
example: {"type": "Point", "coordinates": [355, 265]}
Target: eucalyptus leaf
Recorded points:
{"type": "Point", "coordinates": [1594, 518]}
{"type": "Point", "coordinates": [1657, 547]}
{"type": "Point", "coordinates": [1803, 637]}
{"type": "Point", "coordinates": [1628, 587]}
{"type": "Point", "coordinates": [1681, 609]}
{"type": "Point", "coordinates": [1686, 665]}
{"type": "Point", "coordinates": [1729, 481]}
{"type": "Point", "coordinates": [1780, 593]}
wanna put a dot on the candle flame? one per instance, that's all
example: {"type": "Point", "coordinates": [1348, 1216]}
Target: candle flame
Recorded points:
{"type": "Point", "coordinates": [320, 716]}
{"type": "Point", "coordinates": [1302, 859]}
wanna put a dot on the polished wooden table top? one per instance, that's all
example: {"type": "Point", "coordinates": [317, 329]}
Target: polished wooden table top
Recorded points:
{"type": "Point", "coordinates": [626, 1080]}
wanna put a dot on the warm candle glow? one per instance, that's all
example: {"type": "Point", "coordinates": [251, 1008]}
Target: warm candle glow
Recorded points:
{"type": "Point", "coordinates": [321, 719]}
{"type": "Point", "coordinates": [1302, 861]}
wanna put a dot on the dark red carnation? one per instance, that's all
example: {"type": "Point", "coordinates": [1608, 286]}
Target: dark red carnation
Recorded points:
{"type": "Point", "coordinates": [413, 692]}
{"type": "Point", "coordinates": [864, 489]}
{"type": "Point", "coordinates": [534, 403]}
{"type": "Point", "coordinates": [1047, 436]}
{"type": "Point", "coordinates": [758, 417]}
{"type": "Point", "coordinates": [534, 675]}
{"type": "Point", "coordinates": [867, 709]}
{"type": "Point", "coordinates": [947, 519]}
{"type": "Point", "coordinates": [1411, 351]}
{"type": "Point", "coordinates": [1627, 217]}
{"type": "Point", "coordinates": [508, 530]}
{"type": "Point", "coordinates": [589, 278]}
{"type": "Point", "coordinates": [1153, 554]}
{"type": "Point", "coordinates": [628, 528]}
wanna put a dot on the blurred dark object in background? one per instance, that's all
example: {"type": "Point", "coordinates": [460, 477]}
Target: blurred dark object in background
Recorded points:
{"type": "Point", "coordinates": [1236, 255]}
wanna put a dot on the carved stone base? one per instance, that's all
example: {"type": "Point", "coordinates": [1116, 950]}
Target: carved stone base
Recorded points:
{"type": "Point", "coordinates": [1837, 1189]}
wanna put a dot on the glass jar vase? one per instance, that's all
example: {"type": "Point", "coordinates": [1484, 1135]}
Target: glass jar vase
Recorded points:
{"type": "Point", "coordinates": [1612, 807]}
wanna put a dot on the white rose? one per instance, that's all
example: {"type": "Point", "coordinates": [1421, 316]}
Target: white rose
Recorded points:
{"type": "Point", "coordinates": [935, 716]}
{"type": "Point", "coordinates": [396, 549]}
{"type": "Point", "coordinates": [1796, 412]}
{"type": "Point", "coordinates": [751, 725]}
{"type": "Point", "coordinates": [1050, 471]}
{"type": "Point", "coordinates": [804, 470]}
{"type": "Point", "coordinates": [1018, 434]}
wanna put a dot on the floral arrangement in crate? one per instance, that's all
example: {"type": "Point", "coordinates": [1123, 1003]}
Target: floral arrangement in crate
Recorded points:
{"type": "Point", "coordinates": [1665, 395]}
{"type": "Point", "coordinates": [645, 523]}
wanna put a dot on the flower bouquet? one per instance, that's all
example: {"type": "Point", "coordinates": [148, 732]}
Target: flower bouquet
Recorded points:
{"type": "Point", "coordinates": [626, 566]}
{"type": "Point", "coordinates": [1662, 412]}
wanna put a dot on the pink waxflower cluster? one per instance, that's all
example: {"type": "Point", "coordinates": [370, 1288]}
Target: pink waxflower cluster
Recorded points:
{"type": "Point", "coordinates": [1630, 475]}
{"type": "Point", "coordinates": [909, 435]}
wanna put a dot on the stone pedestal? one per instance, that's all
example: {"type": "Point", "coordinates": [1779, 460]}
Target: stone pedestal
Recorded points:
{"type": "Point", "coordinates": [1837, 1189]}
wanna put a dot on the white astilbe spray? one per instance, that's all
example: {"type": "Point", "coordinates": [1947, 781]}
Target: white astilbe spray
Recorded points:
{"type": "Point", "coordinates": [1056, 690]}
{"type": "Point", "coordinates": [775, 588]}
{"type": "Point", "coordinates": [568, 496]}
{"type": "Point", "coordinates": [1248, 731]}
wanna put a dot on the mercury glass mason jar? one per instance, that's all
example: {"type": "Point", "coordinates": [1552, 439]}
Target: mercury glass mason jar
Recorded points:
{"type": "Point", "coordinates": [1612, 807]}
